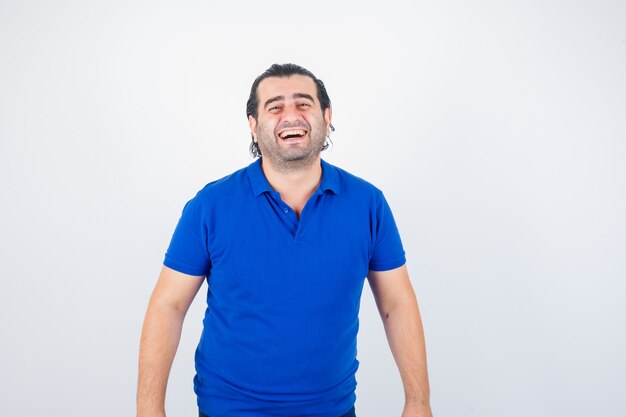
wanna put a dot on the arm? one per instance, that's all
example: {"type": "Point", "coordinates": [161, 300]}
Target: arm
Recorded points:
{"type": "Point", "coordinates": [162, 326]}
{"type": "Point", "coordinates": [398, 309]}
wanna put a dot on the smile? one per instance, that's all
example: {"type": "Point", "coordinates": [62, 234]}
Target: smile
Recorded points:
{"type": "Point", "coordinates": [292, 134]}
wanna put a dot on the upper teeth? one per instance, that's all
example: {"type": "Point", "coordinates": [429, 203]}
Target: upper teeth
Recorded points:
{"type": "Point", "coordinates": [291, 132]}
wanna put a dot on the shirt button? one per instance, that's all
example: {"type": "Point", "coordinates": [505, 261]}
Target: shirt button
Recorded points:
{"type": "Point", "coordinates": [286, 210]}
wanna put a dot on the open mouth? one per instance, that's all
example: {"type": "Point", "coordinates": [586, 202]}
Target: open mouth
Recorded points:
{"type": "Point", "coordinates": [292, 134]}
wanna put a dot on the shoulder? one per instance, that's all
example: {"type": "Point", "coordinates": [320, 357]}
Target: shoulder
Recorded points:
{"type": "Point", "coordinates": [221, 189]}
{"type": "Point", "coordinates": [353, 185]}
{"type": "Point", "coordinates": [225, 184]}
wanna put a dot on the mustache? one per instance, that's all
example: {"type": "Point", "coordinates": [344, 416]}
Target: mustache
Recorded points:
{"type": "Point", "coordinates": [299, 124]}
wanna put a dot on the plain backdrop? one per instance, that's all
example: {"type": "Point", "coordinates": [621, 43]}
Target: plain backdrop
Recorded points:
{"type": "Point", "coordinates": [496, 129]}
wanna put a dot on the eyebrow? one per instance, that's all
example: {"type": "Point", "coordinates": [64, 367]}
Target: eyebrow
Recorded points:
{"type": "Point", "coordinates": [281, 98]}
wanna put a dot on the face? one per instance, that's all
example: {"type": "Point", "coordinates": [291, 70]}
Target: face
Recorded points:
{"type": "Point", "coordinates": [290, 128]}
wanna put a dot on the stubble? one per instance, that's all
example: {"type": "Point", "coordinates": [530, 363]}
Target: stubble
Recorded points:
{"type": "Point", "coordinates": [287, 159]}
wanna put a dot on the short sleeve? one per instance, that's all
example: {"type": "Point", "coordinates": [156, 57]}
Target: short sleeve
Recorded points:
{"type": "Point", "coordinates": [387, 252]}
{"type": "Point", "coordinates": [188, 250]}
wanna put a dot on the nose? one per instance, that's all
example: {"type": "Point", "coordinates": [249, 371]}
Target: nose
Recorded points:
{"type": "Point", "coordinates": [291, 113]}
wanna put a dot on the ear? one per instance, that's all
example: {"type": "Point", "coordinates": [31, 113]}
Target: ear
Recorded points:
{"type": "Point", "coordinates": [252, 122]}
{"type": "Point", "coordinates": [328, 118]}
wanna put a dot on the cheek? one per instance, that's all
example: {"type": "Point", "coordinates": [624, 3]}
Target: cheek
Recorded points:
{"type": "Point", "coordinates": [267, 130]}
{"type": "Point", "coordinates": [269, 125]}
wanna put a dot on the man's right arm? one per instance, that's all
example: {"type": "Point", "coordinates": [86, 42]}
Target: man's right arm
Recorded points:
{"type": "Point", "coordinates": [162, 327]}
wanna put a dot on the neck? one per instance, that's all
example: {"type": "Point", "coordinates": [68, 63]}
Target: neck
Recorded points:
{"type": "Point", "coordinates": [295, 186]}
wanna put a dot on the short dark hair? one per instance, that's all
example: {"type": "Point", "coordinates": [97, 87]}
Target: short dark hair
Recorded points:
{"type": "Point", "coordinates": [283, 70]}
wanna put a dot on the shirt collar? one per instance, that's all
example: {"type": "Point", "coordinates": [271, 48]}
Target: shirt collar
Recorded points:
{"type": "Point", "coordinates": [257, 178]}
{"type": "Point", "coordinates": [330, 179]}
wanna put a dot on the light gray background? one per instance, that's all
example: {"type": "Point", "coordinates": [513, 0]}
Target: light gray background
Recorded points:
{"type": "Point", "coordinates": [496, 129]}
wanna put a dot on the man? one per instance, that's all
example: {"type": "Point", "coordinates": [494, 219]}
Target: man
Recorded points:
{"type": "Point", "coordinates": [285, 245]}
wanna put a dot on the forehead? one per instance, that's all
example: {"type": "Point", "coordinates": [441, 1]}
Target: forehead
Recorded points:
{"type": "Point", "coordinates": [286, 86]}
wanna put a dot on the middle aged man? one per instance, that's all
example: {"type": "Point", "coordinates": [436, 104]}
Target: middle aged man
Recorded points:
{"type": "Point", "coordinates": [285, 245]}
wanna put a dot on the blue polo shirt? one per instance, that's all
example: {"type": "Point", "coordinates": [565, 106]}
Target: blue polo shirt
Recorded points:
{"type": "Point", "coordinates": [283, 296]}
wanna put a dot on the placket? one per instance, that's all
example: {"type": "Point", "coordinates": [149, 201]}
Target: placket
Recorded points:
{"type": "Point", "coordinates": [288, 217]}
{"type": "Point", "coordinates": [285, 214]}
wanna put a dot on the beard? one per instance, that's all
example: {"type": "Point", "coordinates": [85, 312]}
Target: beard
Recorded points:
{"type": "Point", "coordinates": [285, 157]}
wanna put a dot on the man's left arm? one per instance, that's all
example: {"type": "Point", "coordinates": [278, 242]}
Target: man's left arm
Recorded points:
{"type": "Point", "coordinates": [400, 314]}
